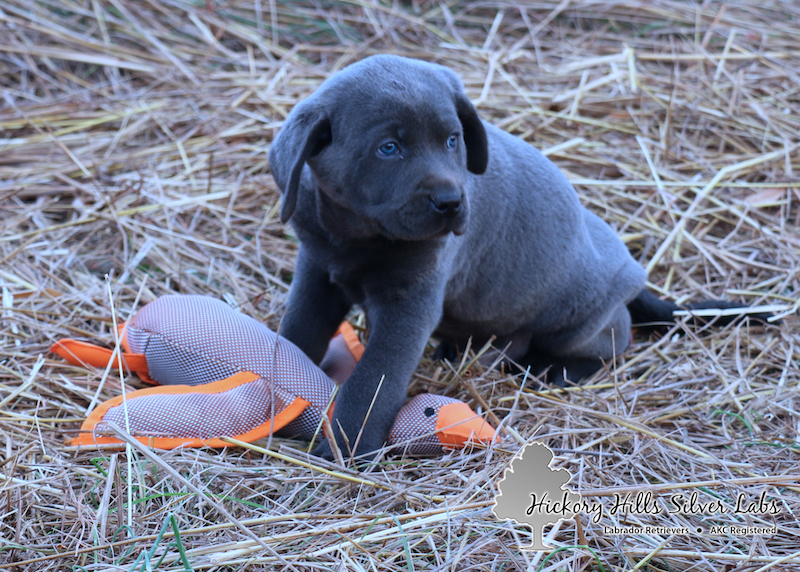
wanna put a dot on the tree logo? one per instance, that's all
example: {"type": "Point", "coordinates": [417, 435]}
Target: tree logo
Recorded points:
{"type": "Point", "coordinates": [532, 493]}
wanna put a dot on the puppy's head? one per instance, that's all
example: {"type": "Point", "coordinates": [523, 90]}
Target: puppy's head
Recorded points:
{"type": "Point", "coordinates": [390, 142]}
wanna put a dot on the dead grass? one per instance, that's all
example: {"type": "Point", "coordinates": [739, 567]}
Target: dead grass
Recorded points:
{"type": "Point", "coordinates": [133, 144]}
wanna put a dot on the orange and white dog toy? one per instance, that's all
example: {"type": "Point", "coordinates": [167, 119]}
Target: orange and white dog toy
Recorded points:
{"type": "Point", "coordinates": [224, 374]}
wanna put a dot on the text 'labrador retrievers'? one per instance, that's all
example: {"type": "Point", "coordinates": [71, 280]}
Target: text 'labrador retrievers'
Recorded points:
{"type": "Point", "coordinates": [436, 222]}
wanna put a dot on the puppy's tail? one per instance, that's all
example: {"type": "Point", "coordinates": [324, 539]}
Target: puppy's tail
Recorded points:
{"type": "Point", "coordinates": [652, 312]}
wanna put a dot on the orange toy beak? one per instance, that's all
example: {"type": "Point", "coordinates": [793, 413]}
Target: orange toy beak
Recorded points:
{"type": "Point", "coordinates": [457, 424]}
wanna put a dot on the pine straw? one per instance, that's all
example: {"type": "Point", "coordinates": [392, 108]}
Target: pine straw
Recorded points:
{"type": "Point", "coordinates": [134, 138]}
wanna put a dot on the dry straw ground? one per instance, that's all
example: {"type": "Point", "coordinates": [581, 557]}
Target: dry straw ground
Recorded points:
{"type": "Point", "coordinates": [133, 164]}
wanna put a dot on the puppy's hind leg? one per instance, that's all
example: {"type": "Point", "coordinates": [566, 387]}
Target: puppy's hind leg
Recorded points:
{"type": "Point", "coordinates": [558, 370]}
{"type": "Point", "coordinates": [584, 352]}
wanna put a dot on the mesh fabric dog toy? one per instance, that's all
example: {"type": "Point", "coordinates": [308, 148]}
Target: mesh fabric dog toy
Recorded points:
{"type": "Point", "coordinates": [224, 374]}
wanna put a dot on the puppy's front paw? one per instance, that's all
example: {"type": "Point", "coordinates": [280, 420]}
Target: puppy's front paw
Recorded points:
{"type": "Point", "coordinates": [368, 448]}
{"type": "Point", "coordinates": [366, 454]}
{"type": "Point", "coordinates": [445, 351]}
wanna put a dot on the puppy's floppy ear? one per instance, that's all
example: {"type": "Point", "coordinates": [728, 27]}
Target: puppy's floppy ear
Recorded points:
{"type": "Point", "coordinates": [305, 133]}
{"type": "Point", "coordinates": [474, 135]}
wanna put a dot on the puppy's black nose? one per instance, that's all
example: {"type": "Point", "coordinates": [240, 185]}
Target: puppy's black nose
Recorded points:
{"type": "Point", "coordinates": [447, 203]}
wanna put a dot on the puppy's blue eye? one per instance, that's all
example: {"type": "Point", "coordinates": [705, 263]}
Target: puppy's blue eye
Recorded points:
{"type": "Point", "coordinates": [452, 141]}
{"type": "Point", "coordinates": [389, 149]}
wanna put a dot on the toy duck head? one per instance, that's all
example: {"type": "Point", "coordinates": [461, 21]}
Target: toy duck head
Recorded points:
{"type": "Point", "coordinates": [429, 423]}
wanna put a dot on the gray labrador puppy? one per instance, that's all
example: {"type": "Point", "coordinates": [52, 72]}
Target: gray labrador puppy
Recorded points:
{"type": "Point", "coordinates": [436, 222]}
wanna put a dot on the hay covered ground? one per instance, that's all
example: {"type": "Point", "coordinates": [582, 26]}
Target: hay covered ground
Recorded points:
{"type": "Point", "coordinates": [133, 139]}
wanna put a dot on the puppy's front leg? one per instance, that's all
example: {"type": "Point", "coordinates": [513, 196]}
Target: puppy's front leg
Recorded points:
{"type": "Point", "coordinates": [400, 325]}
{"type": "Point", "coordinates": [315, 308]}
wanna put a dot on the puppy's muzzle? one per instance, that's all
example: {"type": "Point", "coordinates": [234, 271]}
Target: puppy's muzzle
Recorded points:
{"type": "Point", "coordinates": [447, 208]}
{"type": "Point", "coordinates": [447, 202]}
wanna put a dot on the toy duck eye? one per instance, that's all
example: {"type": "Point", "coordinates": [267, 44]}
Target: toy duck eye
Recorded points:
{"type": "Point", "coordinates": [429, 412]}
{"type": "Point", "coordinates": [388, 149]}
{"type": "Point", "coordinates": [452, 141]}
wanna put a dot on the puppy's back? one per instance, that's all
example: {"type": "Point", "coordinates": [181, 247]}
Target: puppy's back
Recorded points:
{"type": "Point", "coordinates": [543, 256]}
